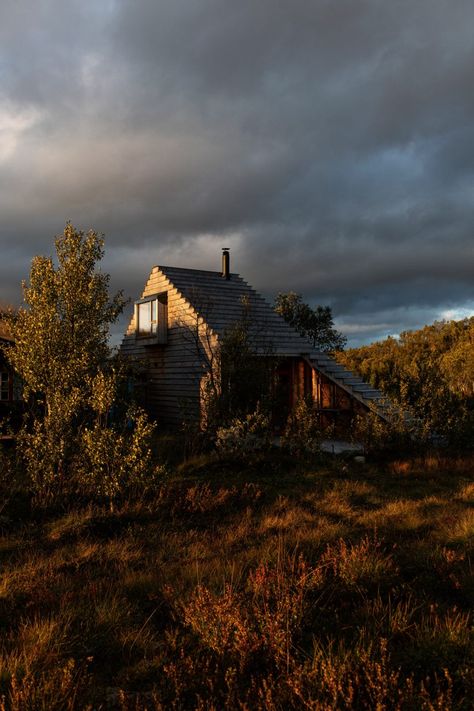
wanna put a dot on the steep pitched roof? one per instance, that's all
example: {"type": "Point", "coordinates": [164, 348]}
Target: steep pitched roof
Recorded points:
{"type": "Point", "coordinates": [221, 303]}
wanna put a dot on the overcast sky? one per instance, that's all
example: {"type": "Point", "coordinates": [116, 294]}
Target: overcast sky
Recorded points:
{"type": "Point", "coordinates": [328, 143]}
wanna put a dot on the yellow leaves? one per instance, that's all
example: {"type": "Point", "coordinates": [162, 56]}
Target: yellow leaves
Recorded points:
{"type": "Point", "coordinates": [245, 436]}
{"type": "Point", "coordinates": [61, 333]}
{"type": "Point", "coordinates": [302, 434]}
{"type": "Point", "coordinates": [457, 365]}
{"type": "Point", "coordinates": [115, 461]}
{"type": "Point", "coordinates": [103, 387]}
{"type": "Point", "coordinates": [61, 354]}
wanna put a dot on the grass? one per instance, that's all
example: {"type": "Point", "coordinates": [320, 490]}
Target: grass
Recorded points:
{"type": "Point", "coordinates": [273, 586]}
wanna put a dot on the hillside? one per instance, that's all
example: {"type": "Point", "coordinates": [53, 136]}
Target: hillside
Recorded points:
{"type": "Point", "coordinates": [429, 372]}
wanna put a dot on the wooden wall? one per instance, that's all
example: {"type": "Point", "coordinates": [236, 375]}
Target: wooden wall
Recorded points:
{"type": "Point", "coordinates": [297, 379]}
{"type": "Point", "coordinates": [170, 376]}
{"type": "Point", "coordinates": [335, 405]}
{"type": "Point", "coordinates": [11, 408]}
{"type": "Point", "coordinates": [6, 369]}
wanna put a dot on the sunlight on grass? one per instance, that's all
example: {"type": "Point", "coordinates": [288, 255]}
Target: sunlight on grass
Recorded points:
{"type": "Point", "coordinates": [360, 565]}
{"type": "Point", "coordinates": [40, 642]}
{"type": "Point", "coordinates": [328, 588]}
{"type": "Point", "coordinates": [395, 516]}
{"type": "Point", "coordinates": [460, 528]}
{"type": "Point", "coordinates": [292, 518]}
{"type": "Point", "coordinates": [466, 493]}
{"type": "Point", "coordinates": [70, 526]}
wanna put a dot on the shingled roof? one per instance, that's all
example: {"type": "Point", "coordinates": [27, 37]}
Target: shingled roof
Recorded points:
{"type": "Point", "coordinates": [221, 301]}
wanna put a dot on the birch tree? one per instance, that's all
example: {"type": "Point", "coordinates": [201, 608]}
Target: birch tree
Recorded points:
{"type": "Point", "coordinates": [61, 351]}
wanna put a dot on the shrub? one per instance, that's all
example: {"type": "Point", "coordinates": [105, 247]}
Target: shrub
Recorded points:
{"type": "Point", "coordinates": [57, 690]}
{"type": "Point", "coordinates": [118, 461]}
{"type": "Point", "coordinates": [361, 565]}
{"type": "Point", "coordinates": [48, 446]}
{"type": "Point", "coordinates": [302, 435]}
{"type": "Point", "coordinates": [262, 622]}
{"type": "Point", "coordinates": [7, 478]}
{"type": "Point", "coordinates": [245, 437]}
{"type": "Point", "coordinates": [380, 437]}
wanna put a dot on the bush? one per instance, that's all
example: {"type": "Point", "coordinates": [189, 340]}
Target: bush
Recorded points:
{"type": "Point", "coordinates": [245, 437]}
{"type": "Point", "coordinates": [62, 356]}
{"type": "Point", "coordinates": [117, 462]}
{"type": "Point", "coordinates": [379, 437]}
{"type": "Point", "coordinates": [7, 478]}
{"type": "Point", "coordinates": [302, 435]}
{"type": "Point", "coordinates": [47, 447]}
{"type": "Point", "coordinates": [106, 456]}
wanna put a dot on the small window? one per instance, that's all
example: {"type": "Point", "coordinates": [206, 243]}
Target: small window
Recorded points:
{"type": "Point", "coordinates": [151, 319]}
{"type": "Point", "coordinates": [4, 386]}
{"type": "Point", "coordinates": [147, 318]}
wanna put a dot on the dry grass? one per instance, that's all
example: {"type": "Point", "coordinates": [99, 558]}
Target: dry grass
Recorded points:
{"type": "Point", "coordinates": [275, 587]}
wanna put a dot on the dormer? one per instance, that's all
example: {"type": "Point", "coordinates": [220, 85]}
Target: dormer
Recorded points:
{"type": "Point", "coordinates": [151, 319]}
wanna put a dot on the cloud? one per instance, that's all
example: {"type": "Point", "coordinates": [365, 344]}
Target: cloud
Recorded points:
{"type": "Point", "coordinates": [330, 144]}
{"type": "Point", "coordinates": [14, 124]}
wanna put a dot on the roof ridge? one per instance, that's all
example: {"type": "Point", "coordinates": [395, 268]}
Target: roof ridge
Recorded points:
{"type": "Point", "coordinates": [195, 271]}
{"type": "Point", "coordinates": [227, 298]}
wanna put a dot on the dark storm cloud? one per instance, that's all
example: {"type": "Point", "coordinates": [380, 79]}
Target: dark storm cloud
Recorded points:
{"type": "Point", "coordinates": [330, 144]}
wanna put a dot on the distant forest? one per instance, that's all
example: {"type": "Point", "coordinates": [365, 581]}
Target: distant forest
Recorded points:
{"type": "Point", "coordinates": [429, 372]}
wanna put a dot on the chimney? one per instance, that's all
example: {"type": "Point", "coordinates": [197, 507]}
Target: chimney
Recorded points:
{"type": "Point", "coordinates": [225, 263]}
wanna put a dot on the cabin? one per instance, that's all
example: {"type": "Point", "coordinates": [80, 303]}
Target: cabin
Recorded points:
{"type": "Point", "coordinates": [174, 334]}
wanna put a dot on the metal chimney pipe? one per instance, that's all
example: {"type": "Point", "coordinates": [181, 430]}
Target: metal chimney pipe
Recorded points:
{"type": "Point", "coordinates": [225, 263]}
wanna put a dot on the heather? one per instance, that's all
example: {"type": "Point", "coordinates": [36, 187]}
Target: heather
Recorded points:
{"type": "Point", "coordinates": [271, 583]}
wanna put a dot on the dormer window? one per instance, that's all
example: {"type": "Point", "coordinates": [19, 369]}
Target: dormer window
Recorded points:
{"type": "Point", "coordinates": [147, 318]}
{"type": "Point", "coordinates": [151, 319]}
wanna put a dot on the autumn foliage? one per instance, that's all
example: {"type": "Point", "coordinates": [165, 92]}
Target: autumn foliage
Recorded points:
{"type": "Point", "coordinates": [69, 445]}
{"type": "Point", "coordinates": [429, 372]}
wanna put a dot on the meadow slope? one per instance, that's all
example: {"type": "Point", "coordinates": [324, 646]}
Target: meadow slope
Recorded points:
{"type": "Point", "coordinates": [278, 585]}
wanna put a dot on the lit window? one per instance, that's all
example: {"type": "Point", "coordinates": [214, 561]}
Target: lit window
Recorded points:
{"type": "Point", "coordinates": [4, 386]}
{"type": "Point", "coordinates": [147, 318]}
{"type": "Point", "coordinates": [151, 319]}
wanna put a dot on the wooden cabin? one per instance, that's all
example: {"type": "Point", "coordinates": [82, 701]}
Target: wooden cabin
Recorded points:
{"type": "Point", "coordinates": [174, 334]}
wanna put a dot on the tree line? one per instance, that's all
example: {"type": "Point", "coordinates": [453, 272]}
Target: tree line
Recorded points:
{"type": "Point", "coordinates": [428, 372]}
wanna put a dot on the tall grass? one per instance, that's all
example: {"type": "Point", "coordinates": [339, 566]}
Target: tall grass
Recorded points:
{"type": "Point", "coordinates": [269, 587]}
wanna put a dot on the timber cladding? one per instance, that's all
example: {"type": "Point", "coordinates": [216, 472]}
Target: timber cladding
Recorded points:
{"type": "Point", "coordinates": [171, 371]}
{"type": "Point", "coordinates": [184, 313]}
